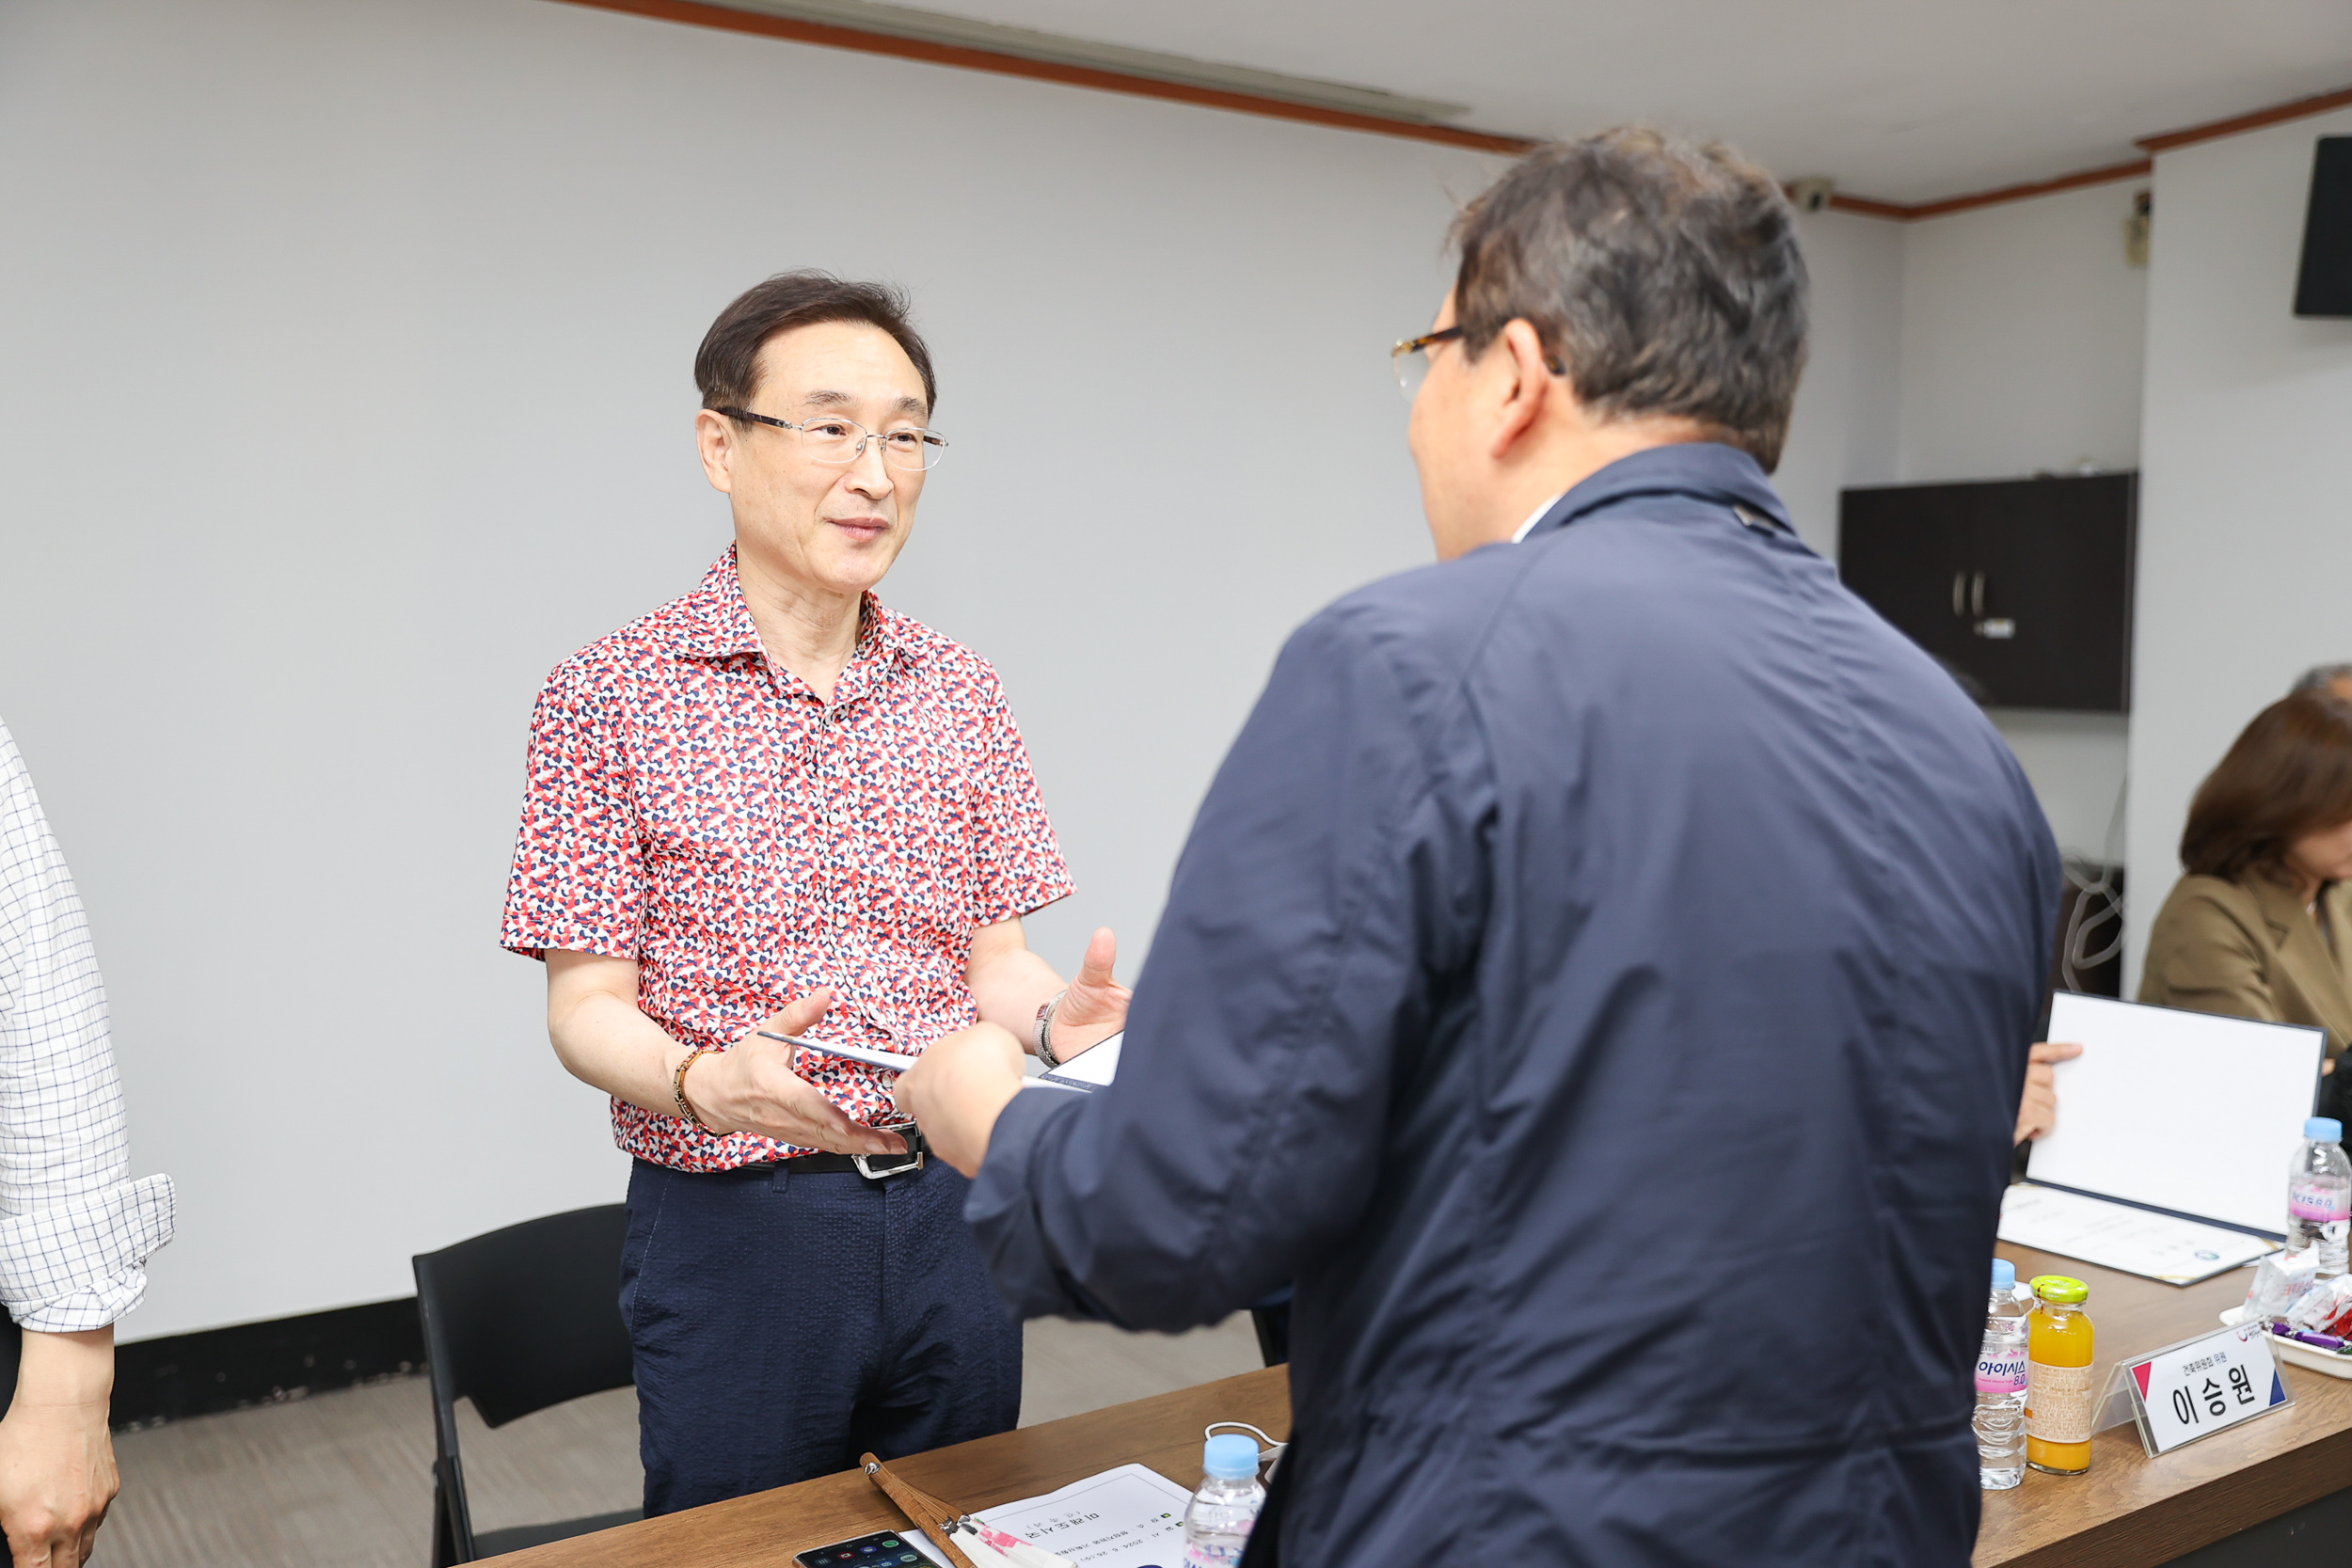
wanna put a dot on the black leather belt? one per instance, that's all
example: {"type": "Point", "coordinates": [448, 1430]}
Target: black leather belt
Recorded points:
{"type": "Point", "coordinates": [874, 1168]}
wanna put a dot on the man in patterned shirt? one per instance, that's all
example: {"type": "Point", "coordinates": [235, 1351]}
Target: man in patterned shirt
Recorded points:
{"type": "Point", "coordinates": [775, 805]}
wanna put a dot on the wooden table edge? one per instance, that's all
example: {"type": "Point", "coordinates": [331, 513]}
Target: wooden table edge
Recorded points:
{"type": "Point", "coordinates": [1162, 1432]}
{"type": "Point", "coordinates": [2212, 1510]}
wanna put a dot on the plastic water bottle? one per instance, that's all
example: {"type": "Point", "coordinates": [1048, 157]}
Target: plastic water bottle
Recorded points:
{"type": "Point", "coordinates": [2319, 1194]}
{"type": "Point", "coordinates": [1218, 1519]}
{"type": "Point", "coordinates": [2001, 1384]}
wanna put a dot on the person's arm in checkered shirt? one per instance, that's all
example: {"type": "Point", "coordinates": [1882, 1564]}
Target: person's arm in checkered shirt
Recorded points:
{"type": "Point", "coordinates": [75, 1232]}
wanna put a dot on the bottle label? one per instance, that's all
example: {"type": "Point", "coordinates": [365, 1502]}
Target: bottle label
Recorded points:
{"type": "Point", "coordinates": [2001, 1371]}
{"type": "Point", "coordinates": [2059, 1401]}
{"type": "Point", "coordinates": [2323, 1201]}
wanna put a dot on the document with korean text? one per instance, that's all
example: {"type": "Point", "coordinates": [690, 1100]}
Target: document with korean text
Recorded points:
{"type": "Point", "coordinates": [1131, 1517]}
{"type": "Point", "coordinates": [2117, 1236]}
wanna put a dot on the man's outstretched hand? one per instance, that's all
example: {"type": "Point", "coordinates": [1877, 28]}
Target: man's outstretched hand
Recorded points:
{"type": "Point", "coordinates": [751, 1087]}
{"type": "Point", "coordinates": [961, 1087]}
{"type": "Point", "coordinates": [1095, 1007]}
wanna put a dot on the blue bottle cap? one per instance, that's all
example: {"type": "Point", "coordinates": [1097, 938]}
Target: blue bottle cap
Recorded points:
{"type": "Point", "coordinates": [2004, 1275]}
{"type": "Point", "coordinates": [2324, 1130]}
{"type": "Point", "coordinates": [1230, 1456]}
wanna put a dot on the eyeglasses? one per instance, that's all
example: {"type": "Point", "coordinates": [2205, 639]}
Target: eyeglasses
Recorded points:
{"type": "Point", "coordinates": [830, 438]}
{"type": "Point", "coordinates": [1410, 357]}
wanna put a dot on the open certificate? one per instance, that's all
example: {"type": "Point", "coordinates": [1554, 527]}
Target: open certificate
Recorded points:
{"type": "Point", "coordinates": [1089, 1070]}
{"type": "Point", "coordinates": [2117, 1236]}
{"type": "Point", "coordinates": [1131, 1517]}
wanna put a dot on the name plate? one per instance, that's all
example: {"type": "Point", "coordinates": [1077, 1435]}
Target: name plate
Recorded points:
{"type": "Point", "coordinates": [2202, 1386]}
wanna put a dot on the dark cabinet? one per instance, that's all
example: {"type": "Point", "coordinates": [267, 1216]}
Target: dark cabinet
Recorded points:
{"type": "Point", "coordinates": [2021, 588]}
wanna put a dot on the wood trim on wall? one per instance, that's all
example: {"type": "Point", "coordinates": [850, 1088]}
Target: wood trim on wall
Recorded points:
{"type": "Point", "coordinates": [2278, 114]}
{"type": "Point", "coordinates": [764, 24]}
{"type": "Point", "coordinates": [1868, 207]}
{"type": "Point", "coordinates": [2132, 171]}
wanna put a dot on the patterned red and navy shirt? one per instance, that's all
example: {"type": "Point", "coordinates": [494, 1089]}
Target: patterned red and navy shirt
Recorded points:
{"type": "Point", "coordinates": [693, 806]}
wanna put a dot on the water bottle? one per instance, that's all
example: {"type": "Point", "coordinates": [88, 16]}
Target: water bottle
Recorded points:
{"type": "Point", "coordinates": [2319, 1194]}
{"type": "Point", "coordinates": [2001, 1384]}
{"type": "Point", "coordinates": [1218, 1519]}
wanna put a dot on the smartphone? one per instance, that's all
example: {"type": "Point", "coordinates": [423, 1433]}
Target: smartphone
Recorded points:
{"type": "Point", "coordinates": [884, 1547]}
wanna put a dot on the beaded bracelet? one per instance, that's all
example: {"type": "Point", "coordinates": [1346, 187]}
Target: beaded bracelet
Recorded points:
{"type": "Point", "coordinates": [677, 1084]}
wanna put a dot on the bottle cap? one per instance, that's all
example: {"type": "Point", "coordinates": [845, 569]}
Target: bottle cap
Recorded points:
{"type": "Point", "coordinates": [2004, 1275]}
{"type": "Point", "coordinates": [1230, 1456]}
{"type": "Point", "coordinates": [2324, 1130]}
{"type": "Point", "coordinates": [2061, 1289]}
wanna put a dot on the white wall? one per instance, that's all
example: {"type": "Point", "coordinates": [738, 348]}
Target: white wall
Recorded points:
{"type": "Point", "coordinates": [1844, 430]}
{"type": "Point", "coordinates": [2021, 329]}
{"type": "Point", "coordinates": [2245, 503]}
{"type": "Point", "coordinates": [2076, 765]}
{"type": "Point", "coordinates": [348, 389]}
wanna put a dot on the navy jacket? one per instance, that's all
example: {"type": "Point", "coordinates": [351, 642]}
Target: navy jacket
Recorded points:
{"type": "Point", "coordinates": [1600, 977]}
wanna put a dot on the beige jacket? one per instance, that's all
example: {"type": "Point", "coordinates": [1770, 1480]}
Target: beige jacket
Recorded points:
{"type": "Point", "coordinates": [2249, 949]}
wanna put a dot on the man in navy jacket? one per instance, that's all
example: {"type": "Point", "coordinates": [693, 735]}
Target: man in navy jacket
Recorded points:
{"type": "Point", "coordinates": [1600, 976]}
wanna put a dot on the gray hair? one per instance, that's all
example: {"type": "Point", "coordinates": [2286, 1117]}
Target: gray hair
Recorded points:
{"type": "Point", "coordinates": [2320, 676]}
{"type": "Point", "coordinates": [1663, 277]}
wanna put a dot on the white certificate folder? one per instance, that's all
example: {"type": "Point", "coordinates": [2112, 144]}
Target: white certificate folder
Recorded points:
{"type": "Point", "coordinates": [1087, 1071]}
{"type": "Point", "coordinates": [2174, 1113]}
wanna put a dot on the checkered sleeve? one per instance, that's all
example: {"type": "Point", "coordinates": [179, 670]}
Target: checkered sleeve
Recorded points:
{"type": "Point", "coordinates": [579, 878]}
{"type": "Point", "coordinates": [1016, 860]}
{"type": "Point", "coordinates": [75, 1232]}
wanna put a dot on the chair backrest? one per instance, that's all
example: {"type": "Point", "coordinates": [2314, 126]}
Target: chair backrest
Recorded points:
{"type": "Point", "coordinates": [527, 1317]}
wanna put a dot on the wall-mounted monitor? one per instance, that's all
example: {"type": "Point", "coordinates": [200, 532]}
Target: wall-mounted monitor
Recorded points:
{"type": "Point", "coordinates": [2323, 286]}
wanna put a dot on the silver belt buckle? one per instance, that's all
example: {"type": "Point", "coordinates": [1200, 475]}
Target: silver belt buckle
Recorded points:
{"type": "Point", "coordinates": [894, 1164]}
{"type": "Point", "coordinates": [911, 1159]}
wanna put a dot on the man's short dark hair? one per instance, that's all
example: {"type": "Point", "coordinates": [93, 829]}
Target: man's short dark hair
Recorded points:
{"type": "Point", "coordinates": [726, 367]}
{"type": "Point", "coordinates": [1664, 276]}
{"type": "Point", "coordinates": [2321, 676]}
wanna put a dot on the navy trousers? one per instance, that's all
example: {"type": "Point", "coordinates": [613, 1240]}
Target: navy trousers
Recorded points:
{"type": "Point", "coordinates": [785, 1324]}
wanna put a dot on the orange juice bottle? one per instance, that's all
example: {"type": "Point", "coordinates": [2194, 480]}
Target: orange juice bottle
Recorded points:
{"type": "Point", "coordinates": [2059, 1396]}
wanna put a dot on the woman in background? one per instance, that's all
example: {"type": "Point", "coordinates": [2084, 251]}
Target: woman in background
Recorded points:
{"type": "Point", "coordinates": [2258, 927]}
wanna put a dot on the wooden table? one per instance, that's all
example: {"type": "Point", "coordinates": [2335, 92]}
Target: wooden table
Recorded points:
{"type": "Point", "coordinates": [2132, 1510]}
{"type": "Point", "coordinates": [2129, 1511]}
{"type": "Point", "coordinates": [764, 1530]}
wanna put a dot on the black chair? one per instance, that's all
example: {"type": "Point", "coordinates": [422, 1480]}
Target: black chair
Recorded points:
{"type": "Point", "coordinates": [516, 1321]}
{"type": "Point", "coordinates": [1272, 1320]}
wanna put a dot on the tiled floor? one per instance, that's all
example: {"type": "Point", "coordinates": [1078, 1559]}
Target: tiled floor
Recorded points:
{"type": "Point", "coordinates": [342, 1479]}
